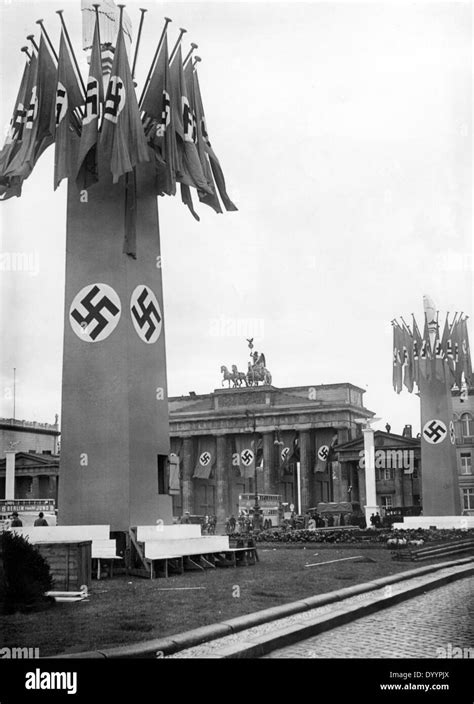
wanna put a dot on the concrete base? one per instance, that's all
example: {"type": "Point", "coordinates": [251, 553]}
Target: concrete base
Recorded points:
{"type": "Point", "coordinates": [410, 522]}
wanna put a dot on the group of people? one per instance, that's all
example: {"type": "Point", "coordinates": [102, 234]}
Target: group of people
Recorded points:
{"type": "Point", "coordinates": [375, 520]}
{"type": "Point", "coordinates": [245, 523]}
{"type": "Point", "coordinates": [16, 521]}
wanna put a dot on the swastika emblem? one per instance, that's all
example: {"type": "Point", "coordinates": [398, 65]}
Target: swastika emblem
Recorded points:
{"type": "Point", "coordinates": [247, 457]}
{"type": "Point", "coordinates": [95, 312]}
{"type": "Point", "coordinates": [146, 314]}
{"type": "Point", "coordinates": [92, 101]}
{"type": "Point", "coordinates": [323, 452]}
{"type": "Point", "coordinates": [452, 433]}
{"type": "Point", "coordinates": [434, 431]}
{"type": "Point", "coordinates": [61, 102]}
{"type": "Point", "coordinates": [115, 99]}
{"type": "Point", "coordinates": [284, 453]}
{"type": "Point", "coordinates": [204, 459]}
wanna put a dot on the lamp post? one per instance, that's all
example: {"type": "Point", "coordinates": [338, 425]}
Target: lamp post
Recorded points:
{"type": "Point", "coordinates": [256, 508]}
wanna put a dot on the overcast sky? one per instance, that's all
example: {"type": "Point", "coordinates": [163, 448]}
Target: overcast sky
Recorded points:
{"type": "Point", "coordinates": [345, 134]}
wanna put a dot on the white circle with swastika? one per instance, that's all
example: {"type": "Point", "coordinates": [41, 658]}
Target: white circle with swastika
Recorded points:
{"type": "Point", "coordinates": [452, 432]}
{"type": "Point", "coordinates": [246, 457]}
{"type": "Point", "coordinates": [323, 452]}
{"type": "Point", "coordinates": [434, 431]}
{"type": "Point", "coordinates": [146, 314]}
{"type": "Point", "coordinates": [204, 459]}
{"type": "Point", "coordinates": [95, 312]}
{"type": "Point", "coordinates": [284, 453]}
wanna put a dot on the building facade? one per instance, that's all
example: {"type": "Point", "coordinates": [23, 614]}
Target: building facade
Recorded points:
{"type": "Point", "coordinates": [463, 407]}
{"type": "Point", "coordinates": [29, 436]}
{"type": "Point", "coordinates": [212, 435]}
{"type": "Point", "coordinates": [397, 471]}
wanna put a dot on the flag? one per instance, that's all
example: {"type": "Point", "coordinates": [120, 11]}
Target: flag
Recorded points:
{"type": "Point", "coordinates": [17, 122]}
{"type": "Point", "coordinates": [407, 359]}
{"type": "Point", "coordinates": [188, 168]}
{"type": "Point", "coordinates": [68, 99]}
{"type": "Point", "coordinates": [417, 342]}
{"type": "Point", "coordinates": [87, 172]}
{"type": "Point", "coordinates": [37, 135]}
{"type": "Point", "coordinates": [206, 458]}
{"type": "Point", "coordinates": [286, 448]}
{"type": "Point", "coordinates": [397, 378]}
{"type": "Point", "coordinates": [211, 198]}
{"type": "Point", "coordinates": [122, 140]}
{"type": "Point", "coordinates": [216, 167]}
{"type": "Point", "coordinates": [425, 353]}
{"type": "Point", "coordinates": [437, 362]}
{"type": "Point", "coordinates": [465, 352]}
{"type": "Point", "coordinates": [324, 442]}
{"type": "Point", "coordinates": [160, 123]}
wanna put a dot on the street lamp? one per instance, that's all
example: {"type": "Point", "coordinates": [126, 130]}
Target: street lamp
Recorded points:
{"type": "Point", "coordinates": [256, 509]}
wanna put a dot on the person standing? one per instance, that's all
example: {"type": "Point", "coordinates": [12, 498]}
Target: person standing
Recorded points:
{"type": "Point", "coordinates": [41, 520]}
{"type": "Point", "coordinates": [16, 522]}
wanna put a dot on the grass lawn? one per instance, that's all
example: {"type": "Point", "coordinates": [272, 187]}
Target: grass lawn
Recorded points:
{"type": "Point", "coordinates": [126, 610]}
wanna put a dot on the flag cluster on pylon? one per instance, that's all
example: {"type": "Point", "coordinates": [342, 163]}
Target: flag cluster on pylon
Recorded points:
{"type": "Point", "coordinates": [415, 357]}
{"type": "Point", "coordinates": [108, 132]}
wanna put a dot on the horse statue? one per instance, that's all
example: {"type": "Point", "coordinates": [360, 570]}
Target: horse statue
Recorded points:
{"type": "Point", "coordinates": [228, 376]}
{"type": "Point", "coordinates": [239, 377]}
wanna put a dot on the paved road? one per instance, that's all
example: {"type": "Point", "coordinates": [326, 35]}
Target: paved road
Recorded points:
{"type": "Point", "coordinates": [413, 629]}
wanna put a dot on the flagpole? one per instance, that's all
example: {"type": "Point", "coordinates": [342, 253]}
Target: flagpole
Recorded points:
{"type": "Point", "coordinates": [71, 49]}
{"type": "Point", "coordinates": [158, 48]}
{"type": "Point", "coordinates": [189, 54]}
{"type": "Point", "coordinates": [31, 38]}
{"type": "Point", "coordinates": [197, 59]}
{"type": "Point", "coordinates": [25, 50]}
{"type": "Point", "coordinates": [121, 8]}
{"type": "Point", "coordinates": [178, 42]}
{"type": "Point", "coordinates": [43, 29]}
{"type": "Point", "coordinates": [142, 10]}
{"type": "Point", "coordinates": [96, 10]}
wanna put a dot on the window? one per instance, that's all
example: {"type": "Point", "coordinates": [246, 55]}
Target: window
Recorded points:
{"type": "Point", "coordinates": [386, 501]}
{"type": "Point", "coordinates": [466, 425]}
{"type": "Point", "coordinates": [466, 463]}
{"type": "Point", "coordinates": [468, 498]}
{"type": "Point", "coordinates": [386, 473]}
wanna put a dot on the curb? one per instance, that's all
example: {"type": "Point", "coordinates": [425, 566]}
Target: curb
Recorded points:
{"type": "Point", "coordinates": [187, 639]}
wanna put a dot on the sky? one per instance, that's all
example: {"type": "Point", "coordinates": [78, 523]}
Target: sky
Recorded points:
{"type": "Point", "coordinates": [345, 133]}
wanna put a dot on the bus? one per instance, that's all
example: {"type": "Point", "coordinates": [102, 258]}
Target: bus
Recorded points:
{"type": "Point", "coordinates": [271, 507]}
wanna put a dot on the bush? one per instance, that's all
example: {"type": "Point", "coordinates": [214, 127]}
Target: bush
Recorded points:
{"type": "Point", "coordinates": [25, 576]}
{"type": "Point", "coordinates": [277, 535]}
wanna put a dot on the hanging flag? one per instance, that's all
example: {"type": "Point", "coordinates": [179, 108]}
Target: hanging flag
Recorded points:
{"type": "Point", "coordinates": [68, 99]}
{"type": "Point", "coordinates": [246, 455]}
{"type": "Point", "coordinates": [17, 122]}
{"type": "Point", "coordinates": [216, 167]}
{"type": "Point", "coordinates": [286, 449]}
{"type": "Point", "coordinates": [188, 168]}
{"type": "Point", "coordinates": [465, 352]}
{"type": "Point", "coordinates": [122, 141]}
{"type": "Point", "coordinates": [417, 342]}
{"type": "Point", "coordinates": [211, 198]}
{"type": "Point", "coordinates": [324, 442]}
{"type": "Point", "coordinates": [407, 359]}
{"type": "Point", "coordinates": [437, 362]}
{"type": "Point", "coordinates": [40, 107]}
{"type": "Point", "coordinates": [87, 172]}
{"type": "Point", "coordinates": [397, 377]}
{"type": "Point", "coordinates": [160, 124]}
{"type": "Point", "coordinates": [206, 458]}
{"type": "Point", "coordinates": [425, 353]}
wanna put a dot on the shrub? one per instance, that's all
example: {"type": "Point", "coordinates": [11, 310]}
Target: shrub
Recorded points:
{"type": "Point", "coordinates": [25, 576]}
{"type": "Point", "coordinates": [356, 536]}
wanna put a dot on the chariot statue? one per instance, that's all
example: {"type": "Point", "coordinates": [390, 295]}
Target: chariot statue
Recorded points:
{"type": "Point", "coordinates": [257, 371]}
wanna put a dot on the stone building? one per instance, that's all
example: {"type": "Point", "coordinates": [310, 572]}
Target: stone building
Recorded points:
{"type": "Point", "coordinates": [463, 407]}
{"type": "Point", "coordinates": [397, 471]}
{"type": "Point", "coordinates": [212, 433]}
{"type": "Point", "coordinates": [36, 447]}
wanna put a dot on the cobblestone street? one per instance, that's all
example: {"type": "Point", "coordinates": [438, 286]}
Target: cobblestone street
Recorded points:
{"type": "Point", "coordinates": [417, 628]}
